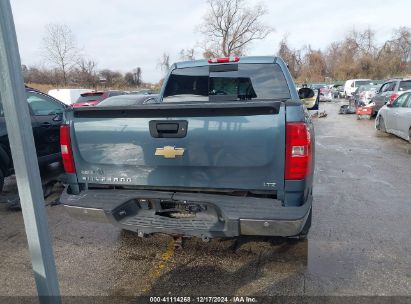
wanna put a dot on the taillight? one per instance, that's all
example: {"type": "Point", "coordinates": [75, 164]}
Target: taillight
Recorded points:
{"type": "Point", "coordinates": [66, 151]}
{"type": "Point", "coordinates": [394, 97]}
{"type": "Point", "coordinates": [224, 60]}
{"type": "Point", "coordinates": [298, 151]}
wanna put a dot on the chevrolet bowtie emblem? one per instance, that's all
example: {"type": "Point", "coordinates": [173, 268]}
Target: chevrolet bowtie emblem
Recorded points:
{"type": "Point", "coordinates": [169, 152]}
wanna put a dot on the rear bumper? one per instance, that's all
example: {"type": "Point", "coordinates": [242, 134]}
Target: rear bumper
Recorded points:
{"type": "Point", "coordinates": [216, 215]}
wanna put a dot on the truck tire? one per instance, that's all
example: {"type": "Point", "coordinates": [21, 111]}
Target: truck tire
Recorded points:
{"type": "Point", "coordinates": [303, 234]}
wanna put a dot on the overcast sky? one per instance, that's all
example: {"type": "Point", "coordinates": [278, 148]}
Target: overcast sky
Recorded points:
{"type": "Point", "coordinates": [125, 34]}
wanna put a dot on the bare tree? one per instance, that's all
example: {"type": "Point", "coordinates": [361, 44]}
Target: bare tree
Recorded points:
{"type": "Point", "coordinates": [111, 77]}
{"type": "Point", "coordinates": [393, 55]}
{"type": "Point", "coordinates": [39, 75]}
{"type": "Point", "coordinates": [59, 48]}
{"type": "Point", "coordinates": [366, 43]}
{"type": "Point", "coordinates": [291, 57]}
{"type": "Point", "coordinates": [314, 67]}
{"type": "Point", "coordinates": [137, 76]}
{"type": "Point", "coordinates": [129, 79]}
{"type": "Point", "coordinates": [187, 54]}
{"type": "Point", "coordinates": [87, 72]}
{"type": "Point", "coordinates": [164, 62]}
{"type": "Point", "coordinates": [87, 66]}
{"type": "Point", "coordinates": [230, 25]}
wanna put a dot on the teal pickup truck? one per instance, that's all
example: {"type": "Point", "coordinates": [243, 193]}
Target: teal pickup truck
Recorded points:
{"type": "Point", "coordinates": [226, 150]}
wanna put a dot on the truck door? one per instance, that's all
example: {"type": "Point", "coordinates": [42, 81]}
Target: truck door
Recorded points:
{"type": "Point", "coordinates": [46, 120]}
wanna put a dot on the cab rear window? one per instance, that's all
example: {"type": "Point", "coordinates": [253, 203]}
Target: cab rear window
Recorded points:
{"type": "Point", "coordinates": [405, 85]}
{"type": "Point", "coordinates": [242, 82]}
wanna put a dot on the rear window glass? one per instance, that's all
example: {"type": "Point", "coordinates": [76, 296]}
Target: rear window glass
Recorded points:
{"type": "Point", "coordinates": [364, 88]}
{"type": "Point", "coordinates": [374, 87]}
{"type": "Point", "coordinates": [250, 81]}
{"type": "Point", "coordinates": [115, 93]}
{"type": "Point", "coordinates": [128, 100]}
{"type": "Point", "coordinates": [405, 85]}
{"type": "Point", "coordinates": [317, 86]}
{"type": "Point", "coordinates": [362, 82]}
{"type": "Point", "coordinates": [391, 86]}
{"type": "Point", "coordinates": [90, 97]}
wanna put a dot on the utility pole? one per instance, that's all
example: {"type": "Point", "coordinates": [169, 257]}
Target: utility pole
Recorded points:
{"type": "Point", "coordinates": [18, 122]}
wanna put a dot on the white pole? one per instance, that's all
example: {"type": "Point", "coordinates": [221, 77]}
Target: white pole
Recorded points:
{"type": "Point", "coordinates": [18, 122]}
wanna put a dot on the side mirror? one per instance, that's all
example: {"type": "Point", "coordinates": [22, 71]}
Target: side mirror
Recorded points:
{"type": "Point", "coordinates": [305, 93]}
{"type": "Point", "coordinates": [308, 98]}
{"type": "Point", "coordinates": [389, 105]}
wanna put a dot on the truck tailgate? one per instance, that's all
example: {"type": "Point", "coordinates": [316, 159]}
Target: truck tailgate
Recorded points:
{"type": "Point", "coordinates": [235, 145]}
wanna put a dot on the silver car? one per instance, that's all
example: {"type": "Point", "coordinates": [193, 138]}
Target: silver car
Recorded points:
{"type": "Point", "coordinates": [390, 90]}
{"type": "Point", "coordinates": [395, 118]}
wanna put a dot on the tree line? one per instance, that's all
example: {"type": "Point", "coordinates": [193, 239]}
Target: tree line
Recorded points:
{"type": "Point", "coordinates": [83, 75]}
{"type": "Point", "coordinates": [357, 55]}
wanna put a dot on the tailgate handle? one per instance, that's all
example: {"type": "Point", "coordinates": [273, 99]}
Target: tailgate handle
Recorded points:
{"type": "Point", "coordinates": [168, 129]}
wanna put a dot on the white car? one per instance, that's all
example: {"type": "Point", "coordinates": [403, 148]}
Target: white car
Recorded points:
{"type": "Point", "coordinates": [68, 96]}
{"type": "Point", "coordinates": [352, 84]}
{"type": "Point", "coordinates": [395, 118]}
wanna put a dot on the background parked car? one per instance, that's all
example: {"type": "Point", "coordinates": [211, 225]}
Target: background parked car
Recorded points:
{"type": "Point", "coordinates": [46, 117]}
{"type": "Point", "coordinates": [352, 84]}
{"type": "Point", "coordinates": [324, 90]}
{"type": "Point", "coordinates": [93, 98]}
{"type": "Point", "coordinates": [364, 94]}
{"type": "Point", "coordinates": [67, 96]}
{"type": "Point", "coordinates": [128, 100]}
{"type": "Point", "coordinates": [395, 118]}
{"type": "Point", "coordinates": [337, 90]}
{"type": "Point", "coordinates": [390, 90]}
